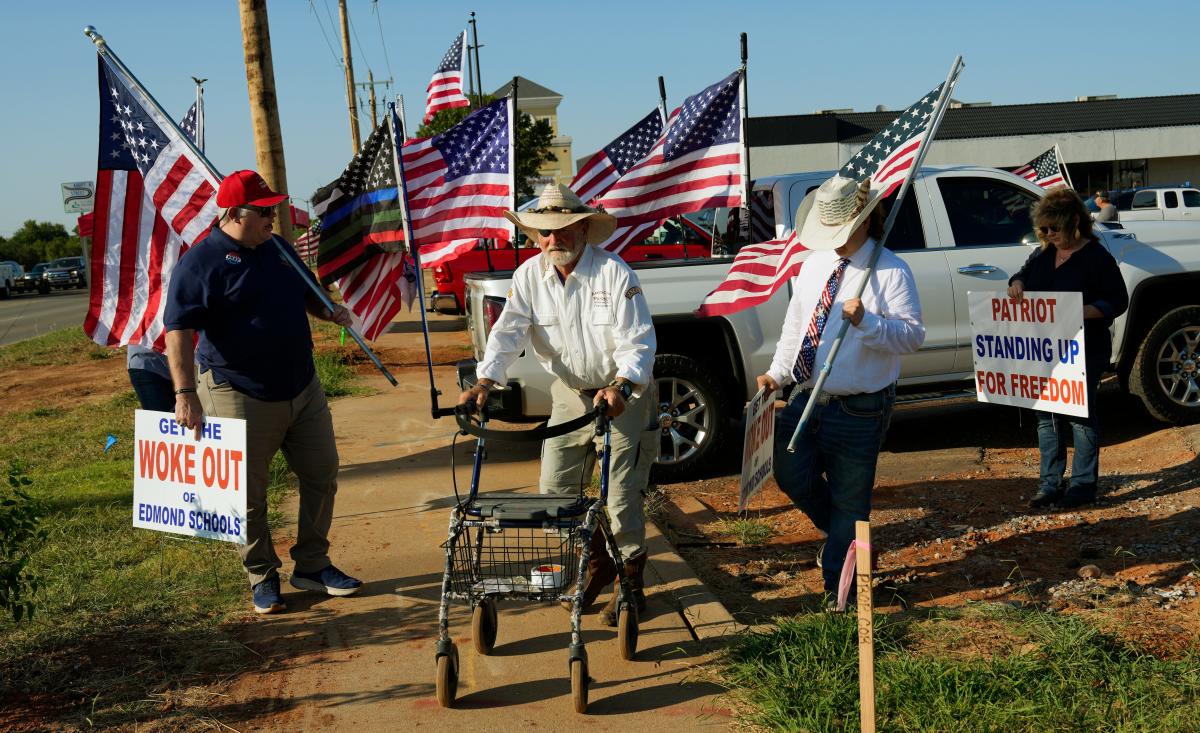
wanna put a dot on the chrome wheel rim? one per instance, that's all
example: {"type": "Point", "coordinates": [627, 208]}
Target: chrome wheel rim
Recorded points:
{"type": "Point", "coordinates": [1179, 367]}
{"type": "Point", "coordinates": [684, 420]}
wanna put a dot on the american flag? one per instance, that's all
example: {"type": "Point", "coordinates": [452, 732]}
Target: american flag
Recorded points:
{"type": "Point", "coordinates": [306, 243]}
{"type": "Point", "coordinates": [759, 270]}
{"type": "Point", "coordinates": [374, 291]}
{"type": "Point", "coordinates": [762, 216]}
{"type": "Point", "coordinates": [154, 198]}
{"type": "Point", "coordinates": [192, 124]}
{"type": "Point", "coordinates": [445, 90]}
{"type": "Point", "coordinates": [360, 211]}
{"type": "Point", "coordinates": [611, 162]}
{"type": "Point", "coordinates": [460, 183]}
{"type": "Point", "coordinates": [1044, 170]}
{"type": "Point", "coordinates": [695, 164]}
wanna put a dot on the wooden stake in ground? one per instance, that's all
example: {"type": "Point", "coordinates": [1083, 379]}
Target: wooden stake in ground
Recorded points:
{"type": "Point", "coordinates": [866, 626]}
{"type": "Point", "coordinates": [264, 109]}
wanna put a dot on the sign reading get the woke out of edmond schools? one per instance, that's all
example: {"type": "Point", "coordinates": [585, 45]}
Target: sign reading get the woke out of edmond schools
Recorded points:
{"type": "Point", "coordinates": [1029, 353]}
{"type": "Point", "coordinates": [759, 447]}
{"type": "Point", "coordinates": [187, 486]}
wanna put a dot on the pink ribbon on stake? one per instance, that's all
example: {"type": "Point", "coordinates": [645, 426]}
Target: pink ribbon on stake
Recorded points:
{"type": "Point", "coordinates": [848, 572]}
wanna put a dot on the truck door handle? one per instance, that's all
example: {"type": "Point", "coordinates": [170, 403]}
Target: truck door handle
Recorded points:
{"type": "Point", "coordinates": [977, 269]}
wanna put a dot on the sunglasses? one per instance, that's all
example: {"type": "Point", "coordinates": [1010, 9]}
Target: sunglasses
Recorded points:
{"type": "Point", "coordinates": [1048, 229]}
{"type": "Point", "coordinates": [260, 210]}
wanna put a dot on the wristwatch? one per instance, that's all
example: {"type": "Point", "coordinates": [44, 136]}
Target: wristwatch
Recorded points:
{"type": "Point", "coordinates": [624, 387]}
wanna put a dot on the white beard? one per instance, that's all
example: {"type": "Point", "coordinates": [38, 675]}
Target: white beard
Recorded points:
{"type": "Point", "coordinates": [560, 258]}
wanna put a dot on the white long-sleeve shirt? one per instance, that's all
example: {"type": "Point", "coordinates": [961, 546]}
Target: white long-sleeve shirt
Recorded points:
{"type": "Point", "coordinates": [869, 358]}
{"type": "Point", "coordinates": [587, 330]}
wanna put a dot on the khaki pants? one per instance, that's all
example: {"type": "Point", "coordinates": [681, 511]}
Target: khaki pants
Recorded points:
{"type": "Point", "coordinates": [303, 428]}
{"type": "Point", "coordinates": [568, 461]}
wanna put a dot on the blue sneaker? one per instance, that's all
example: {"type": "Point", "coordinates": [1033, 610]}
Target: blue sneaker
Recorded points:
{"type": "Point", "coordinates": [328, 580]}
{"type": "Point", "coordinates": [267, 598]}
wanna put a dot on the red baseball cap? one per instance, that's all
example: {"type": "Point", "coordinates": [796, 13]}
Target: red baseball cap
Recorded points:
{"type": "Point", "coordinates": [246, 188]}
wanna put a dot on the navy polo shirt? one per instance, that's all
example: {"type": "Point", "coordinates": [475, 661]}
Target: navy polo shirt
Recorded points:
{"type": "Point", "coordinates": [248, 305]}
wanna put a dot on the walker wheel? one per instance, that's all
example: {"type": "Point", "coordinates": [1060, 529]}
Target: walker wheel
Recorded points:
{"type": "Point", "coordinates": [579, 684]}
{"type": "Point", "coordinates": [447, 678]}
{"type": "Point", "coordinates": [484, 624]}
{"type": "Point", "coordinates": [627, 631]}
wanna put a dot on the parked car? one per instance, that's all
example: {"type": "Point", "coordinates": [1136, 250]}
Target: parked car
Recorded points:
{"type": "Point", "coordinates": [32, 281]}
{"type": "Point", "coordinates": [960, 229]}
{"type": "Point", "coordinates": [10, 273]}
{"type": "Point", "coordinates": [65, 272]}
{"type": "Point", "coordinates": [1159, 203]}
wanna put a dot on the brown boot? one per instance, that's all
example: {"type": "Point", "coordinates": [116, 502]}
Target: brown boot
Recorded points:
{"type": "Point", "coordinates": [601, 570]}
{"type": "Point", "coordinates": [635, 572]}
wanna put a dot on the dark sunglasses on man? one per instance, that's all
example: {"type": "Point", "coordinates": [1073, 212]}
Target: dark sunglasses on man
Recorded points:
{"type": "Point", "coordinates": [260, 210]}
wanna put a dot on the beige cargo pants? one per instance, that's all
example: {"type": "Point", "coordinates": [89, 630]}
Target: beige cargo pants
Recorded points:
{"type": "Point", "coordinates": [303, 429]}
{"type": "Point", "coordinates": [569, 461]}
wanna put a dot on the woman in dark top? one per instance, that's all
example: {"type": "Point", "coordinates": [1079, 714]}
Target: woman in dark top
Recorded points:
{"type": "Point", "coordinates": [1072, 259]}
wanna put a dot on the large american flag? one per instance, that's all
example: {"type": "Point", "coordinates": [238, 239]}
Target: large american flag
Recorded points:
{"type": "Point", "coordinates": [460, 183]}
{"type": "Point", "coordinates": [154, 199]}
{"type": "Point", "coordinates": [1044, 170]}
{"type": "Point", "coordinates": [759, 270]}
{"type": "Point", "coordinates": [695, 164]}
{"type": "Point", "coordinates": [374, 291]}
{"type": "Point", "coordinates": [445, 90]}
{"type": "Point", "coordinates": [614, 160]}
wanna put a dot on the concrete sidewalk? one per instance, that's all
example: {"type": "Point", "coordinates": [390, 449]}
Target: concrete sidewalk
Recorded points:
{"type": "Point", "coordinates": [367, 662]}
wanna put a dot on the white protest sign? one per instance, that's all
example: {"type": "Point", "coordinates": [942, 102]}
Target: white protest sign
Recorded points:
{"type": "Point", "coordinates": [758, 453]}
{"type": "Point", "coordinates": [1029, 353]}
{"type": "Point", "coordinates": [187, 486]}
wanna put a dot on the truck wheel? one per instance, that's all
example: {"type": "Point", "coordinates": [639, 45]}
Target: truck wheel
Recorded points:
{"type": "Point", "coordinates": [1166, 370]}
{"type": "Point", "coordinates": [6, 292]}
{"type": "Point", "coordinates": [691, 416]}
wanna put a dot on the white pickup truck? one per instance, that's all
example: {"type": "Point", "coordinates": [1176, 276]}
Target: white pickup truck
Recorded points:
{"type": "Point", "coordinates": [960, 228]}
{"type": "Point", "coordinates": [1159, 203]}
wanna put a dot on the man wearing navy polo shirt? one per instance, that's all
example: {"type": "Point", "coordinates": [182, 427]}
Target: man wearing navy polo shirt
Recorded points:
{"type": "Point", "coordinates": [248, 305]}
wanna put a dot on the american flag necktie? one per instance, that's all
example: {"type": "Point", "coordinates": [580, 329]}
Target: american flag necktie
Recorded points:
{"type": "Point", "coordinates": [812, 339]}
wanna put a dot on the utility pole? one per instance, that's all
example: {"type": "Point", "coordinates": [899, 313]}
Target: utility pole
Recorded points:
{"type": "Point", "coordinates": [370, 84]}
{"type": "Point", "coordinates": [264, 108]}
{"type": "Point", "coordinates": [354, 138]}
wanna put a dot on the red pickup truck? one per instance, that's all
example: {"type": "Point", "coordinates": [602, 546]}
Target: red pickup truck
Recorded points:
{"type": "Point", "coordinates": [684, 237]}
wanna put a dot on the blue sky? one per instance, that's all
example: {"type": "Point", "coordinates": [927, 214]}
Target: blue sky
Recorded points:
{"type": "Point", "coordinates": [602, 57]}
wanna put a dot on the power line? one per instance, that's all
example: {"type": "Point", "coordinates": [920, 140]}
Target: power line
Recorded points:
{"type": "Point", "coordinates": [361, 51]}
{"type": "Point", "coordinates": [336, 59]}
{"type": "Point", "coordinates": [382, 42]}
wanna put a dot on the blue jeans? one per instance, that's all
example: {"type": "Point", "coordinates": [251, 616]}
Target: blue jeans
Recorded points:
{"type": "Point", "coordinates": [832, 472]}
{"type": "Point", "coordinates": [153, 392]}
{"type": "Point", "coordinates": [1053, 429]}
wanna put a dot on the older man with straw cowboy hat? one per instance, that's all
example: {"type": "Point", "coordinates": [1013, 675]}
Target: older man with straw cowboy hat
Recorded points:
{"type": "Point", "coordinates": [832, 472]}
{"type": "Point", "coordinates": [582, 310]}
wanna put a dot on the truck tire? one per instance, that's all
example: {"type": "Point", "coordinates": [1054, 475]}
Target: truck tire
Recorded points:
{"type": "Point", "coordinates": [6, 291]}
{"type": "Point", "coordinates": [691, 415]}
{"type": "Point", "coordinates": [1166, 370]}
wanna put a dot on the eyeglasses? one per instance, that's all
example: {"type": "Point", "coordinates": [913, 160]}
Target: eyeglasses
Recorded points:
{"type": "Point", "coordinates": [1048, 229]}
{"type": "Point", "coordinates": [260, 210]}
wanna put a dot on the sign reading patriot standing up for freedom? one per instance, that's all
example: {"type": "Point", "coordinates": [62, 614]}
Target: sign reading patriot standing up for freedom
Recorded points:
{"type": "Point", "coordinates": [1029, 353]}
{"type": "Point", "coordinates": [187, 486]}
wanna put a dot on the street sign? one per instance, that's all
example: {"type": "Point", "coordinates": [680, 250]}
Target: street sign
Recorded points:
{"type": "Point", "coordinates": [79, 197]}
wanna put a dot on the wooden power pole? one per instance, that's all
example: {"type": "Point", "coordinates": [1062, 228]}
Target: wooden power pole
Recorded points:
{"type": "Point", "coordinates": [264, 108]}
{"type": "Point", "coordinates": [349, 76]}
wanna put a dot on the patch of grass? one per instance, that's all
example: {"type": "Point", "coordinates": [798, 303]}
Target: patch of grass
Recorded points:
{"type": "Point", "coordinates": [64, 346]}
{"type": "Point", "coordinates": [1058, 673]}
{"type": "Point", "coordinates": [747, 530]}
{"type": "Point", "coordinates": [337, 378]}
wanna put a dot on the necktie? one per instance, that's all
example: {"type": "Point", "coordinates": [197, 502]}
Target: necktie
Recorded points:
{"type": "Point", "coordinates": [812, 338]}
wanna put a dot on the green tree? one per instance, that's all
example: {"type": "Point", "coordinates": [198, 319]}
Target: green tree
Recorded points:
{"type": "Point", "coordinates": [20, 536]}
{"type": "Point", "coordinates": [39, 241]}
{"type": "Point", "coordinates": [533, 142]}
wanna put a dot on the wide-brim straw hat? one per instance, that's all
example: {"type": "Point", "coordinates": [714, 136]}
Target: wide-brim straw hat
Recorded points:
{"type": "Point", "coordinates": [832, 212]}
{"type": "Point", "coordinates": [559, 207]}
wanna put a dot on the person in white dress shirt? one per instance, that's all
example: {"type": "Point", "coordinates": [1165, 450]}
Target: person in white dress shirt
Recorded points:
{"type": "Point", "coordinates": [582, 310]}
{"type": "Point", "coordinates": [831, 474]}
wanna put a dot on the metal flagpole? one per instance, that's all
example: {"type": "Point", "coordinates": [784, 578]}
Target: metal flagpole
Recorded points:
{"type": "Point", "coordinates": [744, 225]}
{"type": "Point", "coordinates": [938, 112]}
{"type": "Point", "coordinates": [512, 146]}
{"type": "Point", "coordinates": [199, 112]}
{"type": "Point", "coordinates": [103, 49]}
{"type": "Point", "coordinates": [475, 48]}
{"type": "Point", "coordinates": [396, 122]}
{"type": "Point", "coordinates": [1062, 165]}
{"type": "Point", "coordinates": [662, 100]}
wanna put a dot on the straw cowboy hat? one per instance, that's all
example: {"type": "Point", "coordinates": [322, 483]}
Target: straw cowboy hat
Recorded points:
{"type": "Point", "coordinates": [831, 213]}
{"type": "Point", "coordinates": [559, 207]}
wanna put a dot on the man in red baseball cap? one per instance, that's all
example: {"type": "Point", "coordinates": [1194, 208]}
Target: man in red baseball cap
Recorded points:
{"type": "Point", "coordinates": [248, 305]}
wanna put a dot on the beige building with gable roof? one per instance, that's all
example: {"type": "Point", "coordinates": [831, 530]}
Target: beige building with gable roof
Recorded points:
{"type": "Point", "coordinates": [541, 103]}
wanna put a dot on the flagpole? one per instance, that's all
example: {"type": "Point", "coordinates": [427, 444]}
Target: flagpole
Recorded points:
{"type": "Point", "coordinates": [281, 244]}
{"type": "Point", "coordinates": [398, 134]}
{"type": "Point", "coordinates": [662, 100]}
{"type": "Point", "coordinates": [512, 145]}
{"type": "Point", "coordinates": [1062, 165]}
{"type": "Point", "coordinates": [199, 112]}
{"type": "Point", "coordinates": [938, 112]}
{"type": "Point", "coordinates": [478, 75]}
{"type": "Point", "coordinates": [744, 224]}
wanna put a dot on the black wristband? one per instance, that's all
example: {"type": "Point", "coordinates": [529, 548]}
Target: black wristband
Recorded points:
{"type": "Point", "coordinates": [185, 390]}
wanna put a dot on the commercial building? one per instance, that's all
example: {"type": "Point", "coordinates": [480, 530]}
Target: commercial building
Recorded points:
{"type": "Point", "coordinates": [541, 103]}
